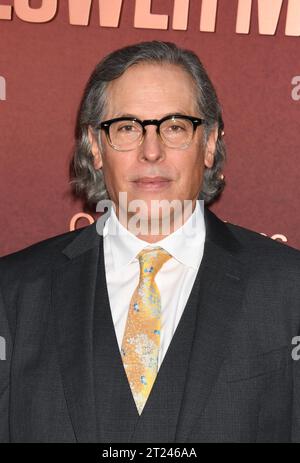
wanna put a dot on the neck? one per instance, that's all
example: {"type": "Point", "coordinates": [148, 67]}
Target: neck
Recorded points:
{"type": "Point", "coordinates": [154, 229]}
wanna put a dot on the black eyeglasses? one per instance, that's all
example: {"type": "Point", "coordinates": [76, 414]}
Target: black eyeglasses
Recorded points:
{"type": "Point", "coordinates": [127, 133]}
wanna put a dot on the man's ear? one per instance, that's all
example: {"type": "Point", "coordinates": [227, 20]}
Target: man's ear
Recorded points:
{"type": "Point", "coordinates": [211, 148]}
{"type": "Point", "coordinates": [95, 149]}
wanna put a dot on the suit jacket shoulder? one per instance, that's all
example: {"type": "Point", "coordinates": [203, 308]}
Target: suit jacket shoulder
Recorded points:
{"type": "Point", "coordinates": [37, 257]}
{"type": "Point", "coordinates": [29, 264]}
{"type": "Point", "coordinates": [268, 261]}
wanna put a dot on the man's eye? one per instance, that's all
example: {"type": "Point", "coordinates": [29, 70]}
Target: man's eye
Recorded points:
{"type": "Point", "coordinates": [175, 128]}
{"type": "Point", "coordinates": [127, 128]}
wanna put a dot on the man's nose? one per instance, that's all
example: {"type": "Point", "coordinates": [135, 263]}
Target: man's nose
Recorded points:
{"type": "Point", "coordinates": [152, 148]}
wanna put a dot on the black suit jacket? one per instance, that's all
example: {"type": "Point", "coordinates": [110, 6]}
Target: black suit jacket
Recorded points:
{"type": "Point", "coordinates": [242, 383]}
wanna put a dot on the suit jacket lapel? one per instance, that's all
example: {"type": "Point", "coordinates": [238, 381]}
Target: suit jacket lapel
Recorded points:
{"type": "Point", "coordinates": [219, 302]}
{"type": "Point", "coordinates": [73, 300]}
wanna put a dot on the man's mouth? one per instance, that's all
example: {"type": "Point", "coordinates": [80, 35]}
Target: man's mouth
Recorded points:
{"type": "Point", "coordinates": [152, 183]}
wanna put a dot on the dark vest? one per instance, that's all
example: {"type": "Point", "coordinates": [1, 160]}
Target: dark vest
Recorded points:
{"type": "Point", "coordinates": [117, 417]}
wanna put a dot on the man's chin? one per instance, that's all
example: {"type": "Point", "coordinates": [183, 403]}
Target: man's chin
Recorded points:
{"type": "Point", "coordinates": [155, 212]}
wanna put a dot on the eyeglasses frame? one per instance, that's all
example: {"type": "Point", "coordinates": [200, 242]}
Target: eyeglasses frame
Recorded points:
{"type": "Point", "coordinates": [105, 125]}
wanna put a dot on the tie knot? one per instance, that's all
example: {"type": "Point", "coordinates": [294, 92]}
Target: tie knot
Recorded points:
{"type": "Point", "coordinates": [151, 261]}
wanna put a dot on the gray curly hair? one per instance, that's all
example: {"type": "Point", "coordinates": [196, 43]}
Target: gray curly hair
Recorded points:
{"type": "Point", "coordinates": [89, 182]}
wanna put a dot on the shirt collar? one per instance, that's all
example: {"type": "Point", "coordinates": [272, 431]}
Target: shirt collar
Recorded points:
{"type": "Point", "coordinates": [185, 244]}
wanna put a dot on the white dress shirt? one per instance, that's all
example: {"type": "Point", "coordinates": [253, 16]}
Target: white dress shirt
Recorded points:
{"type": "Point", "coordinates": [174, 280]}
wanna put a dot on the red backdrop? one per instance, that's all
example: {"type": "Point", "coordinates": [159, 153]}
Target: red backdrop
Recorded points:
{"type": "Point", "coordinates": [44, 67]}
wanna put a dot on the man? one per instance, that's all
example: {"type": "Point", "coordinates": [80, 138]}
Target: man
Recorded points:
{"type": "Point", "coordinates": [125, 334]}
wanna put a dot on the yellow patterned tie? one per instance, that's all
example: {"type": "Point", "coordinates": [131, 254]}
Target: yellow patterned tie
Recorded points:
{"type": "Point", "coordinates": [141, 339]}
